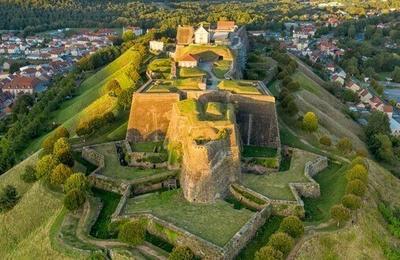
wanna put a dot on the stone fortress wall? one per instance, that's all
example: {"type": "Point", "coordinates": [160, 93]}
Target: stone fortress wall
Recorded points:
{"type": "Point", "coordinates": [150, 115]}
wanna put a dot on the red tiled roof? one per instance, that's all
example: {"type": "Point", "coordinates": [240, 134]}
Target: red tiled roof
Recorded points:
{"type": "Point", "coordinates": [188, 57]}
{"type": "Point", "coordinates": [225, 25]}
{"type": "Point", "coordinates": [184, 35]}
{"type": "Point", "coordinates": [388, 109]}
{"type": "Point", "coordinates": [22, 82]}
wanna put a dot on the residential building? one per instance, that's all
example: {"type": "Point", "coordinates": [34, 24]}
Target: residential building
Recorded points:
{"type": "Point", "coordinates": [22, 84]}
{"type": "Point", "coordinates": [226, 26]}
{"type": "Point", "coordinates": [201, 36]}
{"type": "Point", "coordinates": [188, 61]}
{"type": "Point", "coordinates": [156, 45]}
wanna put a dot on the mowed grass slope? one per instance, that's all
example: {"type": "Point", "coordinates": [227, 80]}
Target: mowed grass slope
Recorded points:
{"type": "Point", "coordinates": [367, 237]}
{"type": "Point", "coordinates": [329, 110]}
{"type": "Point", "coordinates": [88, 92]}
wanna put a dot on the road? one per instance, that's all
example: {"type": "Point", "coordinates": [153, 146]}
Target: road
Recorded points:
{"type": "Point", "coordinates": [207, 67]}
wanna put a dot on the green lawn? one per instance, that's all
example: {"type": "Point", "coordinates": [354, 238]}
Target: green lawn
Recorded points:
{"type": "Point", "coordinates": [110, 202]}
{"type": "Point", "coordinates": [191, 72]}
{"type": "Point", "coordinates": [214, 222]}
{"type": "Point", "coordinates": [145, 146]}
{"type": "Point", "coordinates": [221, 67]}
{"type": "Point", "coordinates": [276, 185]}
{"type": "Point", "coordinates": [113, 168]}
{"type": "Point", "coordinates": [209, 53]}
{"type": "Point", "coordinates": [239, 87]}
{"type": "Point", "coordinates": [161, 66]}
{"type": "Point", "coordinates": [261, 238]}
{"type": "Point", "coordinates": [258, 151]}
{"type": "Point", "coordinates": [332, 183]}
{"type": "Point", "coordinates": [175, 85]}
{"type": "Point", "coordinates": [306, 83]}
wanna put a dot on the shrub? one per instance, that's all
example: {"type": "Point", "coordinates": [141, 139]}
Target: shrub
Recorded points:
{"type": "Point", "coordinates": [76, 181]}
{"type": "Point", "coordinates": [293, 226]}
{"type": "Point", "coordinates": [74, 199]}
{"type": "Point", "coordinates": [325, 140]}
{"type": "Point", "coordinates": [356, 187]}
{"type": "Point", "coordinates": [310, 122]}
{"type": "Point", "coordinates": [45, 166]}
{"type": "Point", "coordinates": [340, 214]}
{"type": "Point", "coordinates": [357, 172]}
{"type": "Point", "coordinates": [132, 232]}
{"type": "Point", "coordinates": [29, 175]}
{"type": "Point", "coordinates": [351, 201]}
{"type": "Point", "coordinates": [181, 253]}
{"type": "Point", "coordinates": [282, 242]}
{"type": "Point", "coordinates": [359, 160]}
{"type": "Point", "coordinates": [344, 145]}
{"type": "Point", "coordinates": [8, 198]}
{"type": "Point", "coordinates": [60, 174]}
{"type": "Point", "coordinates": [62, 152]}
{"type": "Point", "coordinates": [268, 253]}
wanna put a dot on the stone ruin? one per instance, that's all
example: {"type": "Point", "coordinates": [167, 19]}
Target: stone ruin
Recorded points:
{"type": "Point", "coordinates": [207, 141]}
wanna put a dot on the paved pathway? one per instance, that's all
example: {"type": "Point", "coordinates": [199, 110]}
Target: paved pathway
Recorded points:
{"type": "Point", "coordinates": [207, 66]}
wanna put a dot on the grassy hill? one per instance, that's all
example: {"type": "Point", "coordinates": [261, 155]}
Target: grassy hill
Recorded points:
{"type": "Point", "coordinates": [89, 92]}
{"type": "Point", "coordinates": [368, 237]}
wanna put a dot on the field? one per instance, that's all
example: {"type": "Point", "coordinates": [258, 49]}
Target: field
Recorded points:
{"type": "Point", "coordinates": [216, 223]}
{"type": "Point", "coordinates": [276, 185]}
{"type": "Point", "coordinates": [258, 151]}
{"type": "Point", "coordinates": [113, 168]}
{"type": "Point", "coordinates": [239, 87]}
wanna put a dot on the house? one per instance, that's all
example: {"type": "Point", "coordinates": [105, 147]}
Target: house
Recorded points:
{"type": "Point", "coordinates": [376, 103]}
{"type": "Point", "coordinates": [338, 79]}
{"type": "Point", "coordinates": [226, 26]}
{"type": "Point", "coordinates": [136, 30]}
{"type": "Point", "coordinates": [201, 36]}
{"type": "Point", "coordinates": [365, 95]}
{"type": "Point", "coordinates": [352, 86]}
{"type": "Point", "coordinates": [156, 45]}
{"type": "Point", "coordinates": [330, 67]}
{"type": "Point", "coordinates": [188, 61]}
{"type": "Point", "coordinates": [22, 84]}
{"type": "Point", "coordinates": [388, 110]}
{"type": "Point", "coordinates": [334, 22]}
{"type": "Point", "coordinates": [394, 127]}
{"type": "Point", "coordinates": [184, 35]}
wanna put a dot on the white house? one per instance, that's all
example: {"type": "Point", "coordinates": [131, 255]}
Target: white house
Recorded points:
{"type": "Point", "coordinates": [156, 45]}
{"type": "Point", "coordinates": [201, 36]}
{"type": "Point", "coordinates": [365, 96]}
{"type": "Point", "coordinates": [353, 86]}
{"type": "Point", "coordinates": [338, 79]}
{"type": "Point", "coordinates": [188, 61]}
{"type": "Point", "coordinates": [394, 127]}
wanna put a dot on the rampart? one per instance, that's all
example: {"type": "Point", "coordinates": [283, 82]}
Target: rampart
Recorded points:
{"type": "Point", "coordinates": [150, 115]}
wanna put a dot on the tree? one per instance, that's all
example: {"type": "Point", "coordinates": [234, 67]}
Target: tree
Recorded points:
{"type": "Point", "coordinates": [60, 174]}
{"type": "Point", "coordinates": [29, 175]}
{"type": "Point", "coordinates": [340, 214]}
{"type": "Point", "coordinates": [74, 199]}
{"type": "Point", "coordinates": [62, 152]}
{"type": "Point", "coordinates": [351, 201]}
{"type": "Point", "coordinates": [181, 253]}
{"type": "Point", "coordinates": [351, 32]}
{"type": "Point", "coordinates": [356, 187]}
{"type": "Point", "coordinates": [383, 148]}
{"type": "Point", "coordinates": [125, 99]}
{"type": "Point", "coordinates": [292, 226]}
{"type": "Point", "coordinates": [114, 88]}
{"type": "Point", "coordinates": [310, 122]}
{"type": "Point", "coordinates": [132, 232]}
{"type": "Point", "coordinates": [48, 143]}
{"type": "Point", "coordinates": [325, 140]}
{"type": "Point", "coordinates": [282, 242]}
{"type": "Point", "coordinates": [344, 145]}
{"type": "Point", "coordinates": [378, 123]}
{"type": "Point", "coordinates": [8, 198]}
{"type": "Point", "coordinates": [359, 160]}
{"type": "Point", "coordinates": [128, 36]}
{"type": "Point", "coordinates": [76, 181]}
{"type": "Point", "coordinates": [357, 172]}
{"type": "Point", "coordinates": [268, 253]}
{"type": "Point", "coordinates": [396, 74]}
{"type": "Point", "coordinates": [45, 166]}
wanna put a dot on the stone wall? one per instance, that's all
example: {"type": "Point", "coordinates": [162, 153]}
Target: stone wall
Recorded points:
{"type": "Point", "coordinates": [150, 115]}
{"type": "Point", "coordinates": [200, 246]}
